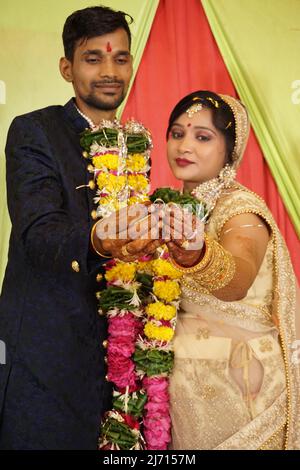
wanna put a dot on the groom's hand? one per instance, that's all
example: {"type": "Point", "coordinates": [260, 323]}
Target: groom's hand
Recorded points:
{"type": "Point", "coordinates": [130, 233]}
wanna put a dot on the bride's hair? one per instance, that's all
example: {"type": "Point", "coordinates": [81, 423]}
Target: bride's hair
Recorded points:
{"type": "Point", "coordinates": [222, 116]}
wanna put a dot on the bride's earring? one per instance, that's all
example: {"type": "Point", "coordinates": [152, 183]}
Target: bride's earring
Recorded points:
{"type": "Point", "coordinates": [227, 175]}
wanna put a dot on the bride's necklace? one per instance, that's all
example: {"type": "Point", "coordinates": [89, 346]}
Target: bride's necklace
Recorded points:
{"type": "Point", "coordinates": [210, 191]}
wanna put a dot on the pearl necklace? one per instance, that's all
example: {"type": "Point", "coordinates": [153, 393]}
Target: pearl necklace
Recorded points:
{"type": "Point", "coordinates": [89, 121]}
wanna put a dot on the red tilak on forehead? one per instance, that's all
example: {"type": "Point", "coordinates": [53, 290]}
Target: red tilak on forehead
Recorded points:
{"type": "Point", "coordinates": [189, 124]}
{"type": "Point", "coordinates": [108, 47]}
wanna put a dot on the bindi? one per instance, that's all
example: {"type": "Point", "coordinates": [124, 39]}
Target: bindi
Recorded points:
{"type": "Point", "coordinates": [189, 124]}
{"type": "Point", "coordinates": [108, 47]}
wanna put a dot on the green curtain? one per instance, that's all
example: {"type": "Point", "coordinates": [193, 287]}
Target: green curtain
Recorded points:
{"type": "Point", "coordinates": [30, 34]}
{"type": "Point", "coordinates": [260, 44]}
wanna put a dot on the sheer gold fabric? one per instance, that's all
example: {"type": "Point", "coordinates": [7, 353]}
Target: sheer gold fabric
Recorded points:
{"type": "Point", "coordinates": [234, 383]}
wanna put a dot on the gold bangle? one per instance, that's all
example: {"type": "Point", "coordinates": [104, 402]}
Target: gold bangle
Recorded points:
{"type": "Point", "coordinates": [92, 241]}
{"type": "Point", "coordinates": [202, 264]}
{"type": "Point", "coordinates": [218, 272]}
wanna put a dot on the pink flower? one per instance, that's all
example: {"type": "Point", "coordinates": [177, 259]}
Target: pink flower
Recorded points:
{"type": "Point", "coordinates": [145, 258]}
{"type": "Point", "coordinates": [157, 433]}
{"type": "Point", "coordinates": [157, 421]}
{"type": "Point", "coordinates": [121, 371]}
{"type": "Point", "coordinates": [110, 264]}
{"type": "Point", "coordinates": [127, 325]}
{"type": "Point", "coordinates": [121, 346]}
{"type": "Point", "coordinates": [156, 409]}
{"type": "Point", "coordinates": [156, 385]}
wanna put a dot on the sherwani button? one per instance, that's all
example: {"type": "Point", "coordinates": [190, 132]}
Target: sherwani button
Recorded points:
{"type": "Point", "coordinates": [75, 266]}
{"type": "Point", "coordinates": [94, 214]}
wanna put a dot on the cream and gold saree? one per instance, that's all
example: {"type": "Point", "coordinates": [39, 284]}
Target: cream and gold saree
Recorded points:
{"type": "Point", "coordinates": [235, 383]}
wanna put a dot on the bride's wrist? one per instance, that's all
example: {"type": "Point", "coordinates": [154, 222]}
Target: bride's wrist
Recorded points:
{"type": "Point", "coordinates": [187, 258]}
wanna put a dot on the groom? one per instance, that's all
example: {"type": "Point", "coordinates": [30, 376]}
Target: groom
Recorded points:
{"type": "Point", "coordinates": [53, 390]}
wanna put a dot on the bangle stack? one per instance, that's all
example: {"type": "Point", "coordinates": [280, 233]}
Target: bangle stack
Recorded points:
{"type": "Point", "coordinates": [215, 270]}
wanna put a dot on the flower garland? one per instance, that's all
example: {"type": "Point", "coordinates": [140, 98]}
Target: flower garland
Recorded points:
{"type": "Point", "coordinates": [120, 162]}
{"type": "Point", "coordinates": [140, 300]}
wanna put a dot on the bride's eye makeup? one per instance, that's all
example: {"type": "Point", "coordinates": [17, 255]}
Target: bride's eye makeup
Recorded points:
{"type": "Point", "coordinates": [203, 138]}
{"type": "Point", "coordinates": [176, 134]}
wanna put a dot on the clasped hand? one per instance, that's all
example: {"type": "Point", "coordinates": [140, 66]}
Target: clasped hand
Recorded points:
{"type": "Point", "coordinates": [140, 229]}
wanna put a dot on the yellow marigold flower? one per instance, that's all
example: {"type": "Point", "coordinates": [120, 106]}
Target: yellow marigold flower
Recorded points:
{"type": "Point", "coordinates": [160, 333]}
{"type": "Point", "coordinates": [109, 161]}
{"type": "Point", "coordinates": [144, 266]}
{"type": "Point", "coordinates": [166, 290]}
{"type": "Point", "coordinates": [138, 199]}
{"type": "Point", "coordinates": [163, 267]}
{"type": "Point", "coordinates": [160, 311]}
{"type": "Point", "coordinates": [109, 201]}
{"type": "Point", "coordinates": [123, 271]}
{"type": "Point", "coordinates": [135, 162]}
{"type": "Point", "coordinates": [111, 183]}
{"type": "Point", "coordinates": [137, 182]}
{"type": "Point", "coordinates": [104, 200]}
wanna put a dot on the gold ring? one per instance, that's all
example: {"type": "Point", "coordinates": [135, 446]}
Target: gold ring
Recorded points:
{"type": "Point", "coordinates": [124, 251]}
{"type": "Point", "coordinates": [185, 244]}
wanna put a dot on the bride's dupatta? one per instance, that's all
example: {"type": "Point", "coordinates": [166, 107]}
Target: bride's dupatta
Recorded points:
{"type": "Point", "coordinates": [287, 312]}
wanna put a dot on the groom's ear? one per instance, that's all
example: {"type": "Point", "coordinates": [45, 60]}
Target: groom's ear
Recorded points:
{"type": "Point", "coordinates": [66, 69]}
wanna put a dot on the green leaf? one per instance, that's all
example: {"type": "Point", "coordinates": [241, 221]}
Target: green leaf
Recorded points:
{"type": "Point", "coordinates": [153, 361]}
{"type": "Point", "coordinates": [167, 195]}
{"type": "Point", "coordinates": [135, 406]}
{"type": "Point", "coordinates": [115, 297]}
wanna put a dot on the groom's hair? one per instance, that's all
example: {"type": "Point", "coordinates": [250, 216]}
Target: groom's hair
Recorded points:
{"type": "Point", "coordinates": [91, 22]}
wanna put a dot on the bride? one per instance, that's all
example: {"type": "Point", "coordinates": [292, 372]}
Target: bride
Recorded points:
{"type": "Point", "coordinates": [235, 383]}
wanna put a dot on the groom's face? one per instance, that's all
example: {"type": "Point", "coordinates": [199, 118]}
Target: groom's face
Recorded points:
{"type": "Point", "coordinates": [101, 70]}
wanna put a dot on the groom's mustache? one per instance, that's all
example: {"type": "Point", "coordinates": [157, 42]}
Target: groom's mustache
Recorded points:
{"type": "Point", "coordinates": [103, 83]}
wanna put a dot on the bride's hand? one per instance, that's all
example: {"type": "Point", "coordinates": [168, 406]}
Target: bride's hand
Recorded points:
{"type": "Point", "coordinates": [184, 234]}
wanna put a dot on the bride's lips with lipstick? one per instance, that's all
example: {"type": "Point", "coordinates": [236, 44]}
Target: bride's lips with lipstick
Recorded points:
{"type": "Point", "coordinates": [183, 162]}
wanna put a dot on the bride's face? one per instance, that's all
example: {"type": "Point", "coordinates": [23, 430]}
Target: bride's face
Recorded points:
{"type": "Point", "coordinates": [196, 148]}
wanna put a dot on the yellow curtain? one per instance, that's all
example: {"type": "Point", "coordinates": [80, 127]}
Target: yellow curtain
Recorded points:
{"type": "Point", "coordinates": [29, 76]}
{"type": "Point", "coordinates": [260, 43]}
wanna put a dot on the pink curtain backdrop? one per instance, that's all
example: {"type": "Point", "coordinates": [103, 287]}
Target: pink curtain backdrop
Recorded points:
{"type": "Point", "coordinates": [182, 56]}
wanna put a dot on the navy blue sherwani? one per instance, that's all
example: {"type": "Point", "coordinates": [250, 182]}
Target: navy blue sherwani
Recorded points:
{"type": "Point", "coordinates": [52, 387]}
